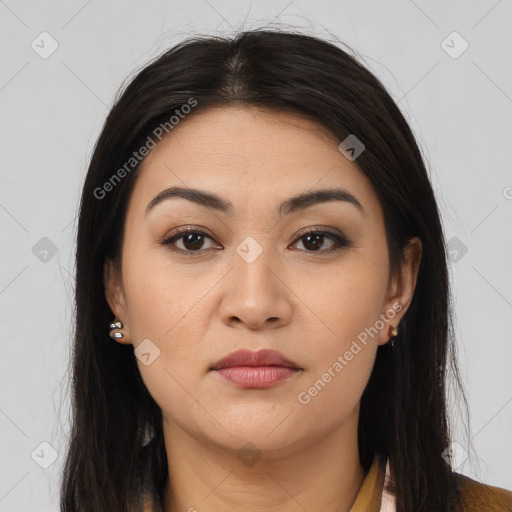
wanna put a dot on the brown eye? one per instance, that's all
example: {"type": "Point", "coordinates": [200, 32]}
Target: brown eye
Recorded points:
{"type": "Point", "coordinates": [193, 240]}
{"type": "Point", "coordinates": [313, 241]}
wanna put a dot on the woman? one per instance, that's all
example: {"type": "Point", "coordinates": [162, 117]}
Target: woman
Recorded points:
{"type": "Point", "coordinates": [259, 237]}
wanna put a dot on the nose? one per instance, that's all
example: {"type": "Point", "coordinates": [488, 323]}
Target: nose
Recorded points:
{"type": "Point", "coordinates": [255, 294]}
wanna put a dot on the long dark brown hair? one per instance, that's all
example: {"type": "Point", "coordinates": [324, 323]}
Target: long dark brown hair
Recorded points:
{"type": "Point", "coordinates": [403, 411]}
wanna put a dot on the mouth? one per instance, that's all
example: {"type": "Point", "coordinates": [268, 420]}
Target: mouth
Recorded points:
{"type": "Point", "coordinates": [256, 370]}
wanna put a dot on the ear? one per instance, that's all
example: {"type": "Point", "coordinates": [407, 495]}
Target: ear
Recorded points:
{"type": "Point", "coordinates": [114, 290]}
{"type": "Point", "coordinates": [402, 286]}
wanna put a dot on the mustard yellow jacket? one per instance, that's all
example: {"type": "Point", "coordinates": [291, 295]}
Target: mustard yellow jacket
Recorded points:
{"type": "Point", "coordinates": [472, 496]}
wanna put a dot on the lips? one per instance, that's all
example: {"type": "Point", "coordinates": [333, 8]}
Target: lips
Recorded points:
{"type": "Point", "coordinates": [264, 357]}
{"type": "Point", "coordinates": [256, 370]}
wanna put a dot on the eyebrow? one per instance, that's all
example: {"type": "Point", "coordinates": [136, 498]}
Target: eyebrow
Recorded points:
{"type": "Point", "coordinates": [291, 205]}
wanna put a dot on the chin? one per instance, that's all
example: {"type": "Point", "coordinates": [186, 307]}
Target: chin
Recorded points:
{"type": "Point", "coordinates": [275, 434]}
{"type": "Point", "coordinates": [251, 444]}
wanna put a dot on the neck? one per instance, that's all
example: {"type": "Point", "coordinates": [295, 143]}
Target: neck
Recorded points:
{"type": "Point", "coordinates": [323, 475]}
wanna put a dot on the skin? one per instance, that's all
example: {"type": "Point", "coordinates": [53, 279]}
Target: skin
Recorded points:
{"type": "Point", "coordinates": [309, 305]}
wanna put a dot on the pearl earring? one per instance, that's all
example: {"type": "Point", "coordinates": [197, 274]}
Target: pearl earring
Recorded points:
{"type": "Point", "coordinates": [115, 332]}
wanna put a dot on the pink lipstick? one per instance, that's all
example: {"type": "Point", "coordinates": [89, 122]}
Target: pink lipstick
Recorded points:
{"type": "Point", "coordinates": [257, 370]}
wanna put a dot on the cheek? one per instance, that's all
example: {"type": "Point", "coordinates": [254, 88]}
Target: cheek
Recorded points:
{"type": "Point", "coordinates": [343, 333]}
{"type": "Point", "coordinates": [164, 308]}
{"type": "Point", "coordinates": [162, 298]}
{"type": "Point", "coordinates": [344, 302]}
{"type": "Point", "coordinates": [327, 399]}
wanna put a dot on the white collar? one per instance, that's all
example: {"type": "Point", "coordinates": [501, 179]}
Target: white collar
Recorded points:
{"type": "Point", "coordinates": [388, 502]}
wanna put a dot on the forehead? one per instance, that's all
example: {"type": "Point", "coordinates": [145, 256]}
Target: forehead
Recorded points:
{"type": "Point", "coordinates": [249, 155]}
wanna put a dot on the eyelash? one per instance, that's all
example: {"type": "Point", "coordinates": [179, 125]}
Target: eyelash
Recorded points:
{"type": "Point", "coordinates": [340, 241]}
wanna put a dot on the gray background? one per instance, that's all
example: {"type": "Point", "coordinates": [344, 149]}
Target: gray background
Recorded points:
{"type": "Point", "coordinates": [51, 112]}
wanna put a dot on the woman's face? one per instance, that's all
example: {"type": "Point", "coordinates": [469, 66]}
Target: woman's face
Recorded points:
{"type": "Point", "coordinates": [252, 278]}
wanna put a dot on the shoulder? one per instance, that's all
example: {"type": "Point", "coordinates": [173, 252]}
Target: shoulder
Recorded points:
{"type": "Point", "coordinates": [474, 496]}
